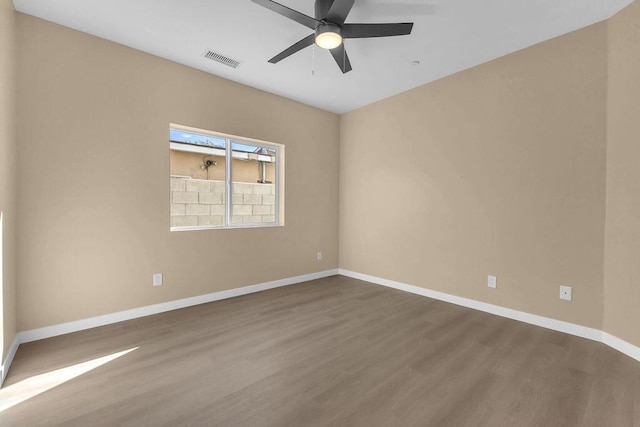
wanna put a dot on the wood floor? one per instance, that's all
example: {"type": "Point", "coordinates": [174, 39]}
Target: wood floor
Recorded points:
{"type": "Point", "coordinates": [331, 352]}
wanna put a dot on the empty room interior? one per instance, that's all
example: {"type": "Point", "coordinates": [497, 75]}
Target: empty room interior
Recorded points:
{"type": "Point", "coordinates": [330, 212]}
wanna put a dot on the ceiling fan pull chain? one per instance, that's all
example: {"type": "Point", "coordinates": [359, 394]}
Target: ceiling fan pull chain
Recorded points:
{"type": "Point", "coordinates": [313, 60]}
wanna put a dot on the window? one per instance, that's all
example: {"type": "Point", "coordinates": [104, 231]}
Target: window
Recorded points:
{"type": "Point", "coordinates": [224, 181]}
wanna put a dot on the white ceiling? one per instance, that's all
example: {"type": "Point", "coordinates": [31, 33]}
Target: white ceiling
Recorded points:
{"type": "Point", "coordinates": [448, 36]}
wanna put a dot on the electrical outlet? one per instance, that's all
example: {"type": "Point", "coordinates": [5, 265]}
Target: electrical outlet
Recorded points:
{"type": "Point", "coordinates": [157, 279]}
{"type": "Point", "coordinates": [319, 256]}
{"type": "Point", "coordinates": [566, 293]}
{"type": "Point", "coordinates": [492, 282]}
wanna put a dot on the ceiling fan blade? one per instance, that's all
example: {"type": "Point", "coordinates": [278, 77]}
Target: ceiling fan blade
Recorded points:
{"type": "Point", "coordinates": [339, 10]}
{"type": "Point", "coordinates": [359, 31]}
{"type": "Point", "coordinates": [300, 18]}
{"type": "Point", "coordinates": [342, 59]}
{"type": "Point", "coordinates": [305, 42]}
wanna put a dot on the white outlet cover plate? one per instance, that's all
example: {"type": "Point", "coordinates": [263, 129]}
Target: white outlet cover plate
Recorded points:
{"type": "Point", "coordinates": [566, 293]}
{"type": "Point", "coordinates": [492, 282]}
{"type": "Point", "coordinates": [157, 279]}
{"type": "Point", "coordinates": [319, 255]}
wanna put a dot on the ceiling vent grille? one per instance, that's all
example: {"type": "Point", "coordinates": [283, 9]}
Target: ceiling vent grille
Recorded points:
{"type": "Point", "coordinates": [218, 57]}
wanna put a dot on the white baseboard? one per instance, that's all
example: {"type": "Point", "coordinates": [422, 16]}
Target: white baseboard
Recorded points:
{"type": "Point", "coordinates": [6, 364]}
{"type": "Point", "coordinates": [545, 322]}
{"type": "Point", "coordinates": [107, 319]}
{"type": "Point", "coordinates": [621, 345]}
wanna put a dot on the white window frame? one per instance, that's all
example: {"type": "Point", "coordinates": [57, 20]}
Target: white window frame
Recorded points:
{"type": "Point", "coordinates": [229, 156]}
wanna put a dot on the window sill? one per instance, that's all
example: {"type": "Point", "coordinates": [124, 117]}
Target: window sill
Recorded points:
{"type": "Point", "coordinates": [224, 227]}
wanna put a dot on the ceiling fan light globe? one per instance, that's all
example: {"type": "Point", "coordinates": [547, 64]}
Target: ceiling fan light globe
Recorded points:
{"type": "Point", "coordinates": [328, 40]}
{"type": "Point", "coordinates": [328, 37]}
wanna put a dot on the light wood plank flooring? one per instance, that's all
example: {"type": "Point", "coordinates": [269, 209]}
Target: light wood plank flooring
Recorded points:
{"type": "Point", "coordinates": [331, 352]}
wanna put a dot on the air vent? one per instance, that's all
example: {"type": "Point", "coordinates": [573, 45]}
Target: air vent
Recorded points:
{"type": "Point", "coordinates": [218, 57]}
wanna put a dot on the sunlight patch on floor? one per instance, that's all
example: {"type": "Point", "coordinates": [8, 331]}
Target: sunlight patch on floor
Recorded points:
{"type": "Point", "coordinates": [26, 389]}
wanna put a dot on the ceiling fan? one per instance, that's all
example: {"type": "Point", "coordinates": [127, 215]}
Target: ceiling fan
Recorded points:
{"type": "Point", "coordinates": [330, 29]}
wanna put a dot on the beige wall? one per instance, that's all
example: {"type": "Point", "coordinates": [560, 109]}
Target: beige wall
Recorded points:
{"type": "Point", "coordinates": [622, 250]}
{"type": "Point", "coordinates": [8, 147]}
{"type": "Point", "coordinates": [188, 164]}
{"type": "Point", "coordinates": [499, 170]}
{"type": "Point", "coordinates": [89, 240]}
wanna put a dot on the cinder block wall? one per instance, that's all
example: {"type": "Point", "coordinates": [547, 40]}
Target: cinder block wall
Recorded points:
{"type": "Point", "coordinates": [196, 202]}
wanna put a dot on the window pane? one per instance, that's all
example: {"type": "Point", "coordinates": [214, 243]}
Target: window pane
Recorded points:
{"type": "Point", "coordinates": [254, 184]}
{"type": "Point", "coordinates": [221, 181]}
{"type": "Point", "coordinates": [198, 176]}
